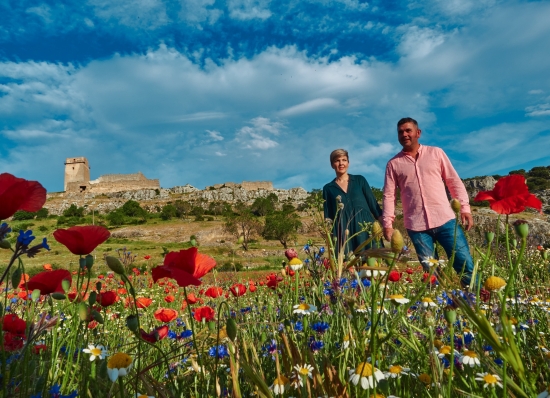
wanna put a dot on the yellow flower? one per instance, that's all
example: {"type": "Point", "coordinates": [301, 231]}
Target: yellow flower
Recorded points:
{"type": "Point", "coordinates": [365, 373]}
{"type": "Point", "coordinates": [119, 364]}
{"type": "Point", "coordinates": [295, 264]}
{"type": "Point", "coordinates": [494, 284]}
{"type": "Point", "coordinates": [425, 378]}
{"type": "Point", "coordinates": [489, 379]}
{"type": "Point", "coordinates": [279, 384]}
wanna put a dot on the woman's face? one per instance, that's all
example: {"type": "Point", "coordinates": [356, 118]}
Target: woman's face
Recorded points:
{"type": "Point", "coordinates": [341, 164]}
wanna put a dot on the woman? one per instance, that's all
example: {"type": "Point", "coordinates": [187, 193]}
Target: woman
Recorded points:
{"type": "Point", "coordinates": [359, 204]}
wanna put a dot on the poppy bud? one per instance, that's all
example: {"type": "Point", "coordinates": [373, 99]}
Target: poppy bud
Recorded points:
{"type": "Point", "coordinates": [83, 311]}
{"type": "Point", "coordinates": [114, 265]}
{"type": "Point", "coordinates": [240, 240]}
{"type": "Point", "coordinates": [397, 242]}
{"type": "Point", "coordinates": [455, 205]}
{"type": "Point", "coordinates": [82, 262]}
{"type": "Point", "coordinates": [92, 298]}
{"type": "Point", "coordinates": [16, 277]}
{"type": "Point", "coordinates": [89, 261]}
{"type": "Point", "coordinates": [544, 254]}
{"type": "Point", "coordinates": [65, 284]}
{"type": "Point", "coordinates": [58, 296]}
{"type": "Point", "coordinates": [132, 323]}
{"type": "Point", "coordinates": [514, 243]}
{"type": "Point", "coordinates": [98, 286]}
{"type": "Point", "coordinates": [450, 315]}
{"type": "Point", "coordinates": [5, 244]}
{"type": "Point", "coordinates": [97, 317]}
{"type": "Point", "coordinates": [489, 236]}
{"type": "Point", "coordinates": [212, 326]}
{"type": "Point", "coordinates": [231, 328]}
{"type": "Point", "coordinates": [522, 228]}
{"type": "Point", "coordinates": [35, 295]}
{"type": "Point", "coordinates": [193, 242]}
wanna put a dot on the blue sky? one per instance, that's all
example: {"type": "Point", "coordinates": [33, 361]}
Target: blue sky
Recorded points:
{"type": "Point", "coordinates": [207, 91]}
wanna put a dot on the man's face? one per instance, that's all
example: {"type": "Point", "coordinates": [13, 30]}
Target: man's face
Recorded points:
{"type": "Point", "coordinates": [408, 135]}
{"type": "Point", "coordinates": [340, 164]}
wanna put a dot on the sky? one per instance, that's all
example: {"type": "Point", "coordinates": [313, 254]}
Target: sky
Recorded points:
{"type": "Point", "coordinates": [203, 92]}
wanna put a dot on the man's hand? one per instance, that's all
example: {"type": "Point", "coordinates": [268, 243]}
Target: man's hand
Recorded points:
{"type": "Point", "coordinates": [467, 220]}
{"type": "Point", "coordinates": [388, 233]}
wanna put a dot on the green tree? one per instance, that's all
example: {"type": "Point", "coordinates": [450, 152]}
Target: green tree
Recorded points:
{"type": "Point", "coordinates": [282, 226]}
{"type": "Point", "coordinates": [74, 211]}
{"type": "Point", "coordinates": [116, 218]}
{"type": "Point", "coordinates": [264, 206]}
{"type": "Point", "coordinates": [182, 208]}
{"type": "Point", "coordinates": [23, 215]}
{"type": "Point", "coordinates": [42, 213]}
{"type": "Point", "coordinates": [168, 211]}
{"type": "Point", "coordinates": [243, 224]}
{"type": "Point", "coordinates": [313, 201]}
{"type": "Point", "coordinates": [133, 209]}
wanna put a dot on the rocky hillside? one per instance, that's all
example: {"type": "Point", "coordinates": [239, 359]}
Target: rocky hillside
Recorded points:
{"type": "Point", "coordinates": [151, 199]}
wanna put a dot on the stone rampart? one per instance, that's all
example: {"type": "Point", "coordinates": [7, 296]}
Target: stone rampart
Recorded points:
{"type": "Point", "coordinates": [254, 185]}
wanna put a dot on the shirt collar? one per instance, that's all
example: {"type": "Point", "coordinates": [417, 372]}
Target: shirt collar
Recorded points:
{"type": "Point", "coordinates": [420, 149]}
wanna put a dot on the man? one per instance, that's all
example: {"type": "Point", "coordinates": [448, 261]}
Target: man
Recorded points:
{"type": "Point", "coordinates": [421, 173]}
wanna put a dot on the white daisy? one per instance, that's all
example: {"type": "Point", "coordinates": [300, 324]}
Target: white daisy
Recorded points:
{"type": "Point", "coordinates": [96, 351]}
{"type": "Point", "coordinates": [470, 358]}
{"type": "Point", "coordinates": [119, 364]}
{"type": "Point", "coordinates": [395, 371]}
{"type": "Point", "coordinates": [365, 373]}
{"type": "Point", "coordinates": [431, 262]}
{"type": "Point", "coordinates": [489, 379]}
{"type": "Point", "coordinates": [428, 302]}
{"type": "Point", "coordinates": [304, 308]}
{"type": "Point", "coordinates": [279, 384]}
{"type": "Point", "coordinates": [398, 299]}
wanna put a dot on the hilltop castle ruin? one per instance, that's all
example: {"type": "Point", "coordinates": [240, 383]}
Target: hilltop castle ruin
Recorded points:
{"type": "Point", "coordinates": [77, 179]}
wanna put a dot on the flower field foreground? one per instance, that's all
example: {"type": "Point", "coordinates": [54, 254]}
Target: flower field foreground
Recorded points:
{"type": "Point", "coordinates": [367, 324]}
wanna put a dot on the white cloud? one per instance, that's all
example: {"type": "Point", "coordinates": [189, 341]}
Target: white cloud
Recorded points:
{"type": "Point", "coordinates": [249, 9]}
{"type": "Point", "coordinates": [252, 137]}
{"type": "Point", "coordinates": [43, 11]}
{"type": "Point", "coordinates": [145, 14]}
{"type": "Point", "coordinates": [309, 106]}
{"type": "Point", "coordinates": [214, 135]}
{"type": "Point", "coordinates": [419, 42]}
{"type": "Point", "coordinates": [538, 110]}
{"type": "Point", "coordinates": [196, 12]}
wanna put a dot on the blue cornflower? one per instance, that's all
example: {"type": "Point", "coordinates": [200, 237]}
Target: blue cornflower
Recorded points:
{"type": "Point", "coordinates": [445, 362]}
{"type": "Point", "coordinates": [4, 230]}
{"type": "Point", "coordinates": [25, 237]}
{"type": "Point", "coordinates": [220, 351]}
{"type": "Point", "coordinates": [307, 261]}
{"type": "Point", "coordinates": [45, 244]}
{"type": "Point", "coordinates": [306, 248]}
{"type": "Point", "coordinates": [487, 348]}
{"type": "Point", "coordinates": [343, 281]}
{"type": "Point", "coordinates": [328, 291]}
{"type": "Point", "coordinates": [299, 326]}
{"type": "Point", "coordinates": [320, 327]}
{"type": "Point", "coordinates": [270, 348]}
{"type": "Point", "coordinates": [327, 284]}
{"type": "Point", "coordinates": [172, 335]}
{"type": "Point", "coordinates": [354, 283]}
{"type": "Point", "coordinates": [321, 250]}
{"type": "Point", "coordinates": [366, 282]}
{"type": "Point", "coordinates": [14, 300]}
{"type": "Point", "coordinates": [499, 361]}
{"type": "Point", "coordinates": [316, 345]}
{"type": "Point", "coordinates": [186, 334]}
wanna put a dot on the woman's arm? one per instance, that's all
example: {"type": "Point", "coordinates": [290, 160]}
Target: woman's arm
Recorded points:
{"type": "Point", "coordinates": [371, 200]}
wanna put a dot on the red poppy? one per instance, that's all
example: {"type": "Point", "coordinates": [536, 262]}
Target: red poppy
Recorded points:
{"type": "Point", "coordinates": [19, 194]}
{"type": "Point", "coordinates": [433, 278]}
{"type": "Point", "coordinates": [121, 290]}
{"type": "Point", "coordinates": [82, 240]}
{"type": "Point", "coordinates": [23, 295]}
{"type": "Point", "coordinates": [205, 313]}
{"type": "Point", "coordinates": [105, 299]}
{"type": "Point", "coordinates": [238, 289]}
{"type": "Point", "coordinates": [143, 302]}
{"type": "Point", "coordinates": [214, 292]}
{"type": "Point", "coordinates": [273, 280]}
{"type": "Point", "coordinates": [12, 342]}
{"type": "Point", "coordinates": [157, 334]}
{"type": "Point", "coordinates": [24, 279]}
{"type": "Point", "coordinates": [262, 283]}
{"type": "Point", "coordinates": [147, 257]}
{"type": "Point", "coordinates": [135, 271]}
{"type": "Point", "coordinates": [39, 348]}
{"type": "Point", "coordinates": [50, 281]}
{"type": "Point", "coordinates": [165, 315]}
{"type": "Point", "coordinates": [191, 299]}
{"type": "Point", "coordinates": [13, 324]}
{"type": "Point", "coordinates": [252, 288]}
{"type": "Point", "coordinates": [394, 276]}
{"type": "Point", "coordinates": [92, 324]}
{"type": "Point", "coordinates": [409, 271]}
{"type": "Point", "coordinates": [47, 267]}
{"type": "Point", "coordinates": [169, 298]}
{"type": "Point", "coordinates": [510, 196]}
{"type": "Point", "coordinates": [185, 266]}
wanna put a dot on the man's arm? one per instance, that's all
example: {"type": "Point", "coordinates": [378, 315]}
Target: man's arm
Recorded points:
{"type": "Point", "coordinates": [457, 190]}
{"type": "Point", "coordinates": [388, 203]}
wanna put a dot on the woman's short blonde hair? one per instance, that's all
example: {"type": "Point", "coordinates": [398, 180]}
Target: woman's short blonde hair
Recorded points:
{"type": "Point", "coordinates": [337, 153]}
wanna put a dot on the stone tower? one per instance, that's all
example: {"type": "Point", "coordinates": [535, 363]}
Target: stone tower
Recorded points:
{"type": "Point", "coordinates": [77, 170]}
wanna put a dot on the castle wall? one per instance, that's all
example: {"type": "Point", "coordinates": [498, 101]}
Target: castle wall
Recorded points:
{"type": "Point", "coordinates": [255, 185]}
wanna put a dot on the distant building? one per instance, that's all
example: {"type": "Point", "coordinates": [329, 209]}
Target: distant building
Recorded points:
{"type": "Point", "coordinates": [77, 179]}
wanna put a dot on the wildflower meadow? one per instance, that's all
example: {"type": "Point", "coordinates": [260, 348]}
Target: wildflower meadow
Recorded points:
{"type": "Point", "coordinates": [372, 323]}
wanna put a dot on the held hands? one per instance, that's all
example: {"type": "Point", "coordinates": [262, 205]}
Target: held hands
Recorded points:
{"type": "Point", "coordinates": [388, 233]}
{"type": "Point", "coordinates": [467, 221]}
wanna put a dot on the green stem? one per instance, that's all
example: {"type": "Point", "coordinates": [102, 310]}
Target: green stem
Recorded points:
{"type": "Point", "coordinates": [199, 359]}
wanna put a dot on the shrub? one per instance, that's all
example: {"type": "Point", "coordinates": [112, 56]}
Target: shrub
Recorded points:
{"type": "Point", "coordinates": [116, 218]}
{"type": "Point", "coordinates": [168, 212]}
{"type": "Point", "coordinates": [74, 211]}
{"type": "Point", "coordinates": [23, 215]}
{"type": "Point", "coordinates": [42, 213]}
{"type": "Point", "coordinates": [229, 267]}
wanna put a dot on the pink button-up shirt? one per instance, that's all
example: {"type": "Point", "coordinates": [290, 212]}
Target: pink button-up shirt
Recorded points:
{"type": "Point", "coordinates": [422, 185]}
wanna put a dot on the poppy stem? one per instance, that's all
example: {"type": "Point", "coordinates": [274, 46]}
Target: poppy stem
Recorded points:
{"type": "Point", "coordinates": [201, 369]}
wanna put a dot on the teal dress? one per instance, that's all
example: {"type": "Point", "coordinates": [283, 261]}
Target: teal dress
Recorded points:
{"type": "Point", "coordinates": [360, 205]}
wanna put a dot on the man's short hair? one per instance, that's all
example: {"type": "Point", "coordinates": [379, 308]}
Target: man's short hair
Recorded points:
{"type": "Point", "coordinates": [337, 153]}
{"type": "Point", "coordinates": [407, 120]}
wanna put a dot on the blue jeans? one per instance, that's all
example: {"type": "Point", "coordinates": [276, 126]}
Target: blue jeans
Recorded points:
{"type": "Point", "coordinates": [424, 242]}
